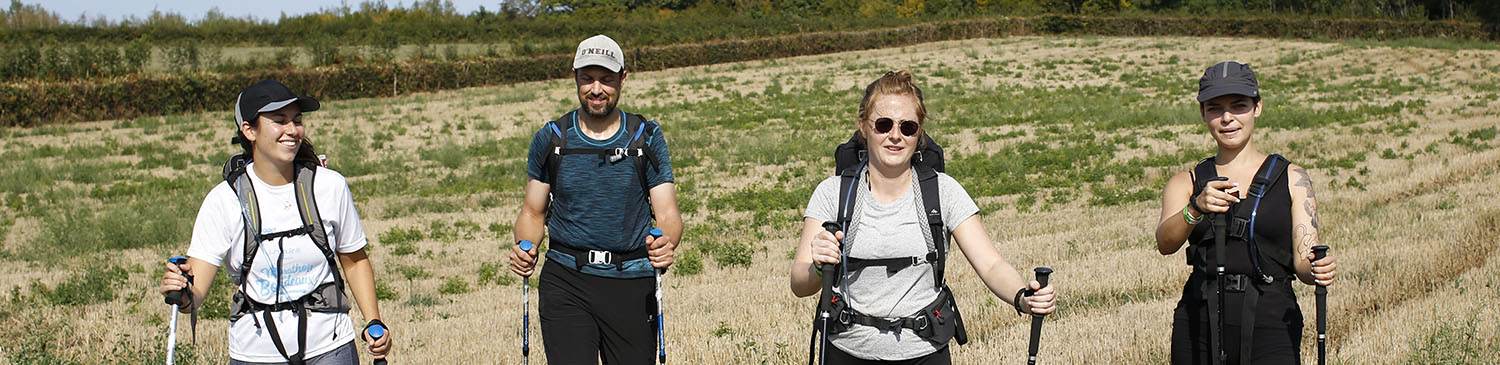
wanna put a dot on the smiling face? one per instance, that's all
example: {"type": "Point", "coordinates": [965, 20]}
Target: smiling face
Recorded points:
{"type": "Point", "coordinates": [276, 135]}
{"type": "Point", "coordinates": [892, 149]}
{"type": "Point", "coordinates": [598, 90]}
{"type": "Point", "coordinates": [1230, 119]}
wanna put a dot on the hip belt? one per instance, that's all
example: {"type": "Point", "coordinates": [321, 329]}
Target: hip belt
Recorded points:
{"type": "Point", "coordinates": [598, 257]}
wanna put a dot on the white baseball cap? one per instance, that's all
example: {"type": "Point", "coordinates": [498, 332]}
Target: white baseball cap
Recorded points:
{"type": "Point", "coordinates": [599, 50]}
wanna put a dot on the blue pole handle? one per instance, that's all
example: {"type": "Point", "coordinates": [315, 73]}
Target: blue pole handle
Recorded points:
{"type": "Point", "coordinates": [656, 233]}
{"type": "Point", "coordinates": [376, 331]}
{"type": "Point", "coordinates": [526, 245]}
{"type": "Point", "coordinates": [175, 298]}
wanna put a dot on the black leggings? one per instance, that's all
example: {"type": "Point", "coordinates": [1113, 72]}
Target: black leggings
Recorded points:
{"type": "Point", "coordinates": [586, 318]}
{"type": "Point", "coordinates": [836, 356]}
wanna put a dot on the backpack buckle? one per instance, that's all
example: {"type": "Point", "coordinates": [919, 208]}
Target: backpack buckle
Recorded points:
{"type": "Point", "coordinates": [920, 323]}
{"type": "Point", "coordinates": [600, 257]}
{"type": "Point", "coordinates": [617, 156]}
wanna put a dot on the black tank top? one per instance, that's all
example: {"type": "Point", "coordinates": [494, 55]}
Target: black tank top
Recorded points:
{"type": "Point", "coordinates": [1273, 228]}
{"type": "Point", "coordinates": [1277, 306]}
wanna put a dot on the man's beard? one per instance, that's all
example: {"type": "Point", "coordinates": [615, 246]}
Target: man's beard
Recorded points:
{"type": "Point", "coordinates": [609, 108]}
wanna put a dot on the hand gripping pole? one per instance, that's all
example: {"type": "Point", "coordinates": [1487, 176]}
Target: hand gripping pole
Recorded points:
{"type": "Point", "coordinates": [1319, 252]}
{"type": "Point", "coordinates": [661, 338]}
{"type": "Point", "coordinates": [176, 300]}
{"type": "Point", "coordinates": [1036, 320]}
{"type": "Point", "coordinates": [821, 312]}
{"type": "Point", "coordinates": [376, 331]}
{"type": "Point", "coordinates": [526, 309]}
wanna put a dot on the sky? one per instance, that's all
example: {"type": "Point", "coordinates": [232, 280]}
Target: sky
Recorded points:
{"type": "Point", "coordinates": [69, 10]}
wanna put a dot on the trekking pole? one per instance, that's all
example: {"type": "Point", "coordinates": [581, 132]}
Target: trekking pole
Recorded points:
{"type": "Point", "coordinates": [1220, 226]}
{"type": "Point", "coordinates": [1221, 230]}
{"type": "Point", "coordinates": [820, 312]}
{"type": "Point", "coordinates": [661, 338]}
{"type": "Point", "coordinates": [1319, 252]}
{"type": "Point", "coordinates": [526, 245]}
{"type": "Point", "coordinates": [175, 299]}
{"type": "Point", "coordinates": [376, 331]}
{"type": "Point", "coordinates": [1036, 319]}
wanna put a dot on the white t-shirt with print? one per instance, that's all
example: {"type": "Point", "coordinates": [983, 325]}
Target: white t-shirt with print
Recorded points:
{"type": "Point", "coordinates": [218, 234]}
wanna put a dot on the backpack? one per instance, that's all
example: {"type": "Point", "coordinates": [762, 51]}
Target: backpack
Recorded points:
{"type": "Point", "coordinates": [939, 321]}
{"type": "Point", "coordinates": [328, 297]}
{"type": "Point", "coordinates": [642, 157]}
{"type": "Point", "coordinates": [1241, 227]}
{"type": "Point", "coordinates": [635, 125]}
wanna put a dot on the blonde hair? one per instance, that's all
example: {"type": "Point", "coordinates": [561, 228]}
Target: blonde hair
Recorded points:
{"type": "Point", "coordinates": [899, 82]}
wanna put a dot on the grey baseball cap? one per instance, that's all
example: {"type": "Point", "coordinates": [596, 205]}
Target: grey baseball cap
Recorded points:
{"type": "Point", "coordinates": [1227, 78]}
{"type": "Point", "coordinates": [599, 50]}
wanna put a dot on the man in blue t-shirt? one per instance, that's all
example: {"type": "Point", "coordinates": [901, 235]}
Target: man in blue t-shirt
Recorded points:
{"type": "Point", "coordinates": [597, 178]}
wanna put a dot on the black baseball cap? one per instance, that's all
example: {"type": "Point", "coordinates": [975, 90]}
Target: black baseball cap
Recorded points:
{"type": "Point", "coordinates": [265, 96]}
{"type": "Point", "coordinates": [1227, 78]}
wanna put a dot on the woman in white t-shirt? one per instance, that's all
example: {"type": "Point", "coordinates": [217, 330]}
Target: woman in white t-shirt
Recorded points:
{"type": "Point", "coordinates": [891, 306]}
{"type": "Point", "coordinates": [292, 283]}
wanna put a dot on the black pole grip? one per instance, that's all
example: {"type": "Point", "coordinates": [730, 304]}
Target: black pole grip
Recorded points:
{"type": "Point", "coordinates": [1036, 319]}
{"type": "Point", "coordinates": [1041, 275]}
{"type": "Point", "coordinates": [828, 270]}
{"type": "Point", "coordinates": [1319, 252]}
{"type": "Point", "coordinates": [175, 298]}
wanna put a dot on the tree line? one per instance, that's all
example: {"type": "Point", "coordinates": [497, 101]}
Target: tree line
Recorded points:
{"type": "Point", "coordinates": [376, 22]}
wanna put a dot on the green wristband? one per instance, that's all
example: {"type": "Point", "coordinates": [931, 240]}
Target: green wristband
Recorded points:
{"type": "Point", "coordinates": [1189, 217]}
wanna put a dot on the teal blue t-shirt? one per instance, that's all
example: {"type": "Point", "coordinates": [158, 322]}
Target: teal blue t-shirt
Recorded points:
{"type": "Point", "coordinates": [598, 204]}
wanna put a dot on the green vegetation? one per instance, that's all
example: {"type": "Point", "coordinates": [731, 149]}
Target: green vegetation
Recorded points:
{"type": "Point", "coordinates": [454, 285]}
{"type": "Point", "coordinates": [1454, 340]}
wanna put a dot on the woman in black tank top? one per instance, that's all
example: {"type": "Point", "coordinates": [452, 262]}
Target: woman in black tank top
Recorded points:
{"type": "Point", "coordinates": [1272, 221]}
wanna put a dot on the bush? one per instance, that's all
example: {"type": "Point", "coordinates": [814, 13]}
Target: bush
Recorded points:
{"type": "Point", "coordinates": [29, 103]}
{"type": "Point", "coordinates": [96, 285]}
{"type": "Point", "coordinates": [454, 285]}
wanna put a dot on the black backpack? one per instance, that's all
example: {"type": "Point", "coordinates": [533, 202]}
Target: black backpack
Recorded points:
{"type": "Point", "coordinates": [939, 321]}
{"type": "Point", "coordinates": [635, 125]}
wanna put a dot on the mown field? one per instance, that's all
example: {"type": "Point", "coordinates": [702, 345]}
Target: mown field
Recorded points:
{"type": "Point", "coordinates": [1064, 142]}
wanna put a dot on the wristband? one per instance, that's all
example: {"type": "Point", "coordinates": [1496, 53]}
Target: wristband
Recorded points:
{"type": "Point", "coordinates": [1017, 302]}
{"type": "Point", "coordinates": [1189, 216]}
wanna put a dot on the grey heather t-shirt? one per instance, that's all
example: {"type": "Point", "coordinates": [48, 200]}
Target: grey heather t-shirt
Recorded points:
{"type": "Point", "coordinates": [889, 231]}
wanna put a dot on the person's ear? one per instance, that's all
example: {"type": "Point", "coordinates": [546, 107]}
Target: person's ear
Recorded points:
{"type": "Point", "coordinates": [247, 131]}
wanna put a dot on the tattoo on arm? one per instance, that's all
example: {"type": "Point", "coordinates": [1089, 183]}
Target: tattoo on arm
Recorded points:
{"type": "Point", "coordinates": [1310, 204]}
{"type": "Point", "coordinates": [1305, 237]}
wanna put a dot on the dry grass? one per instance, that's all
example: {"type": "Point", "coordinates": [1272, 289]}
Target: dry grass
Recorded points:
{"type": "Point", "coordinates": [1415, 243]}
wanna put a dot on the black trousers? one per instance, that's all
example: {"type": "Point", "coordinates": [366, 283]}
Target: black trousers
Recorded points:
{"type": "Point", "coordinates": [1272, 345]}
{"type": "Point", "coordinates": [839, 357]}
{"type": "Point", "coordinates": [587, 318]}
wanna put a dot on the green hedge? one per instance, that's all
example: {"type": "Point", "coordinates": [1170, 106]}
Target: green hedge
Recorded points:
{"type": "Point", "coordinates": [36, 103]}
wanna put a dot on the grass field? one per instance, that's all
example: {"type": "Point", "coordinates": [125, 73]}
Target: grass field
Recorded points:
{"type": "Point", "coordinates": [1064, 142]}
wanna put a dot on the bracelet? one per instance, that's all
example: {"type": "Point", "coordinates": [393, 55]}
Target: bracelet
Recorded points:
{"type": "Point", "coordinates": [1026, 292]}
{"type": "Point", "coordinates": [1189, 216]}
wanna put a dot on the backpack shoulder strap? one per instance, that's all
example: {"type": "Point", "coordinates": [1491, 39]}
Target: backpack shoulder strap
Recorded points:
{"type": "Point", "coordinates": [557, 141]}
{"type": "Point", "coordinates": [307, 206]}
{"type": "Point", "coordinates": [641, 130]}
{"type": "Point", "coordinates": [239, 182]}
{"type": "Point", "coordinates": [927, 181]}
{"type": "Point", "coordinates": [1202, 173]}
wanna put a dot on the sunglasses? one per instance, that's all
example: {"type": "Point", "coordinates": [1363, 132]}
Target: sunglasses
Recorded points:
{"type": "Point", "coordinates": [908, 128]}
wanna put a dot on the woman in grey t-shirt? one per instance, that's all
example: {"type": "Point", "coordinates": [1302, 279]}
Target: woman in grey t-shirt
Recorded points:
{"type": "Point", "coordinates": [888, 303]}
